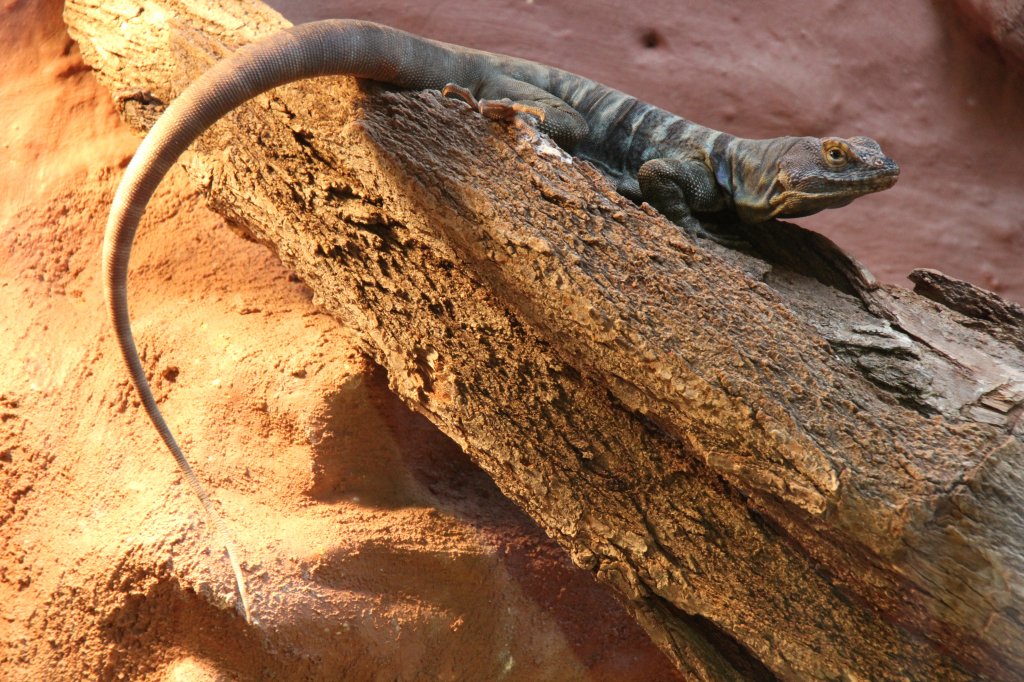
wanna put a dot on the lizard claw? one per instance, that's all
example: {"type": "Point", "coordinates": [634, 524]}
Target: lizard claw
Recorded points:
{"type": "Point", "coordinates": [452, 89]}
{"type": "Point", "coordinates": [495, 109]}
{"type": "Point", "coordinates": [506, 109]}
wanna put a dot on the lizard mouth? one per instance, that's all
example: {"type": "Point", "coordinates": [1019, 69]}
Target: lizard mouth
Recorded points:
{"type": "Point", "coordinates": [832, 190]}
{"type": "Point", "coordinates": [853, 181]}
{"type": "Point", "coordinates": [870, 180]}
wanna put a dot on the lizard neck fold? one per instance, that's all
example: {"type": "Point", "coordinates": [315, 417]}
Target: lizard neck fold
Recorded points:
{"type": "Point", "coordinates": [747, 172]}
{"type": "Point", "coordinates": [720, 158]}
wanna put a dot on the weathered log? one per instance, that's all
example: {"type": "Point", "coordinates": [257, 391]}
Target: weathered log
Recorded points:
{"type": "Point", "coordinates": [786, 469]}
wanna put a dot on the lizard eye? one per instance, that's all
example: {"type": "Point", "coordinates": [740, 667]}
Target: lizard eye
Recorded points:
{"type": "Point", "coordinates": [835, 155]}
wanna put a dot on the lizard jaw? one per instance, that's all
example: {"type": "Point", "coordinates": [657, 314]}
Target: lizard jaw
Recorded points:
{"type": "Point", "coordinates": [825, 191]}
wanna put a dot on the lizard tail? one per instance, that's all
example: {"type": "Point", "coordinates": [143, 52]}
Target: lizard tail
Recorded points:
{"type": "Point", "coordinates": [333, 47]}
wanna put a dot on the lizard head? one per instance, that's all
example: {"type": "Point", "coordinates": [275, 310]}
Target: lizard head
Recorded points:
{"type": "Point", "coordinates": [812, 174]}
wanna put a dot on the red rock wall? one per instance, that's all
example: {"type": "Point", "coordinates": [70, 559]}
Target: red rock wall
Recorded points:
{"type": "Point", "coordinates": [999, 22]}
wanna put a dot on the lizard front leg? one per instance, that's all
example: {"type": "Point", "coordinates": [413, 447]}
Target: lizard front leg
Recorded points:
{"type": "Point", "coordinates": [678, 189]}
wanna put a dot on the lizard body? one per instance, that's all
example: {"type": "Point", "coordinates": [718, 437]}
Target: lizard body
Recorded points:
{"type": "Point", "coordinates": [681, 168]}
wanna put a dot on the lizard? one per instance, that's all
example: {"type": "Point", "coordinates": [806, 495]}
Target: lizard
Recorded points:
{"type": "Point", "coordinates": [679, 167]}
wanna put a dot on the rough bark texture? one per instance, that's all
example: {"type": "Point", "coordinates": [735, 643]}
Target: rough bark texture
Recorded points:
{"type": "Point", "coordinates": [786, 469]}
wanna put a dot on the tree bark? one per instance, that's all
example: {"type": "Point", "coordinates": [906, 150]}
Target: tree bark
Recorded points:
{"type": "Point", "coordinates": [786, 469]}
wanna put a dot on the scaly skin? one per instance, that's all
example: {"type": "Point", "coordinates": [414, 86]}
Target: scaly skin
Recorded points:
{"type": "Point", "coordinates": [681, 168]}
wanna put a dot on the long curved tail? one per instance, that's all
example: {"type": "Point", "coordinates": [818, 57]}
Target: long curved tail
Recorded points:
{"type": "Point", "coordinates": [333, 47]}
